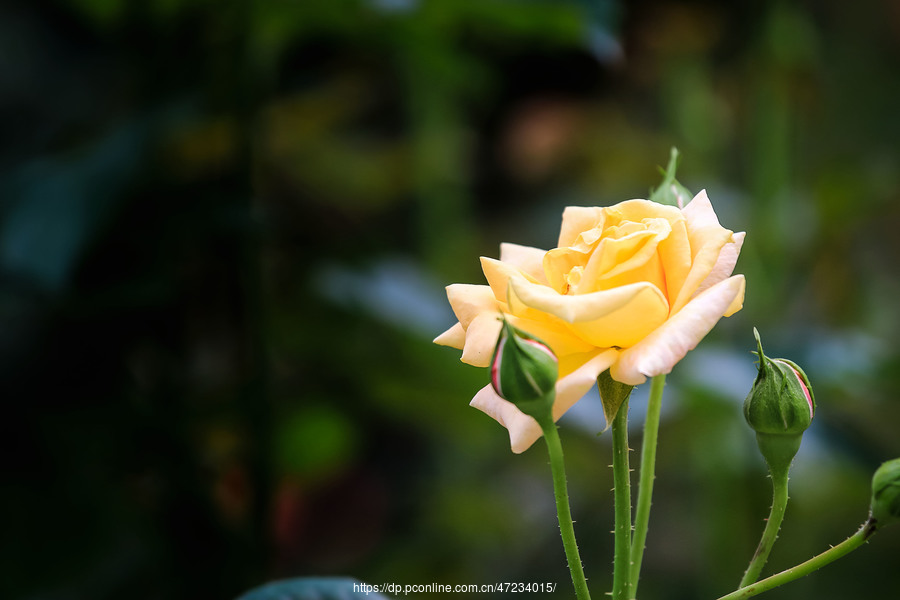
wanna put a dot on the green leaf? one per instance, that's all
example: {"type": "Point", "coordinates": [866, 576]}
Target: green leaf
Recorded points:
{"type": "Point", "coordinates": [314, 588]}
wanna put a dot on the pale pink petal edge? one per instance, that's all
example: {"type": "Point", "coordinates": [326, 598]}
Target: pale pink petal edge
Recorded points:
{"type": "Point", "coordinates": [669, 343]}
{"type": "Point", "coordinates": [725, 264]}
{"type": "Point", "coordinates": [700, 213]}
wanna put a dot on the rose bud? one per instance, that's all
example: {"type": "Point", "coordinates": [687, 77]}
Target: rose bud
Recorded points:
{"type": "Point", "coordinates": [779, 408]}
{"type": "Point", "coordinates": [524, 371]}
{"type": "Point", "coordinates": [886, 493]}
{"type": "Point", "coordinates": [670, 191]}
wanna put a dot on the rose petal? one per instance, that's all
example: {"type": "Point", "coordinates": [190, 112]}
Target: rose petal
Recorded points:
{"type": "Point", "coordinates": [481, 337]}
{"type": "Point", "coordinates": [577, 220]}
{"type": "Point", "coordinates": [661, 350]}
{"type": "Point", "coordinates": [455, 337]}
{"type": "Point", "coordinates": [699, 212]}
{"type": "Point", "coordinates": [736, 304]}
{"type": "Point", "coordinates": [629, 259]}
{"type": "Point", "coordinates": [724, 266]}
{"type": "Point", "coordinates": [705, 259]}
{"type": "Point", "coordinates": [524, 430]}
{"type": "Point", "coordinates": [468, 301]}
{"type": "Point", "coordinates": [578, 308]}
{"type": "Point", "coordinates": [559, 263]}
{"type": "Point", "coordinates": [554, 333]}
{"type": "Point", "coordinates": [708, 241]}
{"type": "Point", "coordinates": [498, 273]}
{"type": "Point", "coordinates": [675, 255]}
{"type": "Point", "coordinates": [525, 258]}
{"type": "Point", "coordinates": [639, 210]}
{"type": "Point", "coordinates": [618, 317]}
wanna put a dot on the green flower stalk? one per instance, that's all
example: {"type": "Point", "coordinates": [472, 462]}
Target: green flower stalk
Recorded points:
{"type": "Point", "coordinates": [780, 407]}
{"type": "Point", "coordinates": [524, 371]}
{"type": "Point", "coordinates": [885, 510]}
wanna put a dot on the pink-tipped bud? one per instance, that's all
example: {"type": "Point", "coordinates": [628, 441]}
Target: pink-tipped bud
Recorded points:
{"type": "Point", "coordinates": [780, 407]}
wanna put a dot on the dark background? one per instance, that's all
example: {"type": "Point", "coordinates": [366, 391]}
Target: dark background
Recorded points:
{"type": "Point", "coordinates": [225, 228]}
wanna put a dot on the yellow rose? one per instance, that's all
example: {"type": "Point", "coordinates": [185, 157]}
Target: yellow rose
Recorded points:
{"type": "Point", "coordinates": [630, 288]}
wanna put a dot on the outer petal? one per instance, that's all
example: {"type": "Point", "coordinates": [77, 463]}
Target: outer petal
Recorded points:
{"type": "Point", "coordinates": [498, 273]}
{"type": "Point", "coordinates": [705, 259]}
{"type": "Point", "coordinates": [662, 349]}
{"type": "Point", "coordinates": [708, 242]}
{"type": "Point", "coordinates": [524, 430]}
{"type": "Point", "coordinates": [468, 301]}
{"type": "Point", "coordinates": [525, 258]}
{"type": "Point", "coordinates": [481, 337]}
{"type": "Point", "coordinates": [724, 266]}
{"type": "Point", "coordinates": [699, 212]}
{"type": "Point", "coordinates": [736, 304]}
{"type": "Point", "coordinates": [455, 337]}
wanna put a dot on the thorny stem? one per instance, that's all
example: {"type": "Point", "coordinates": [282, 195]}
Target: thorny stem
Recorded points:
{"type": "Point", "coordinates": [803, 569]}
{"type": "Point", "coordinates": [563, 510]}
{"type": "Point", "coordinates": [647, 475]}
{"type": "Point", "coordinates": [622, 494]}
{"type": "Point", "coordinates": [773, 524]}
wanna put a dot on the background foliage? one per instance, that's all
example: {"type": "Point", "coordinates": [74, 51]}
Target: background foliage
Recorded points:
{"type": "Point", "coordinates": [224, 232]}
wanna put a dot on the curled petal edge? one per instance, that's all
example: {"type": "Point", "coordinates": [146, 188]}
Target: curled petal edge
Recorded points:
{"type": "Point", "coordinates": [670, 342]}
{"type": "Point", "coordinates": [579, 308]}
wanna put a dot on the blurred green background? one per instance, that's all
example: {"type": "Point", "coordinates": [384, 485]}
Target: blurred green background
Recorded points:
{"type": "Point", "coordinates": [225, 228]}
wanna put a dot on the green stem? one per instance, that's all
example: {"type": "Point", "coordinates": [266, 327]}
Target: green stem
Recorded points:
{"type": "Point", "coordinates": [563, 511]}
{"type": "Point", "coordinates": [622, 494]}
{"type": "Point", "coordinates": [773, 524]}
{"type": "Point", "coordinates": [645, 491]}
{"type": "Point", "coordinates": [803, 569]}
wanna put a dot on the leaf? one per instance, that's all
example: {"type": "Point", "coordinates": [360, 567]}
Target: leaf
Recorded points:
{"type": "Point", "coordinates": [314, 588]}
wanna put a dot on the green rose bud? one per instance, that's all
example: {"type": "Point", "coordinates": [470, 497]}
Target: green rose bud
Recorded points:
{"type": "Point", "coordinates": [886, 493]}
{"type": "Point", "coordinates": [670, 191]}
{"type": "Point", "coordinates": [524, 371]}
{"type": "Point", "coordinates": [779, 408]}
